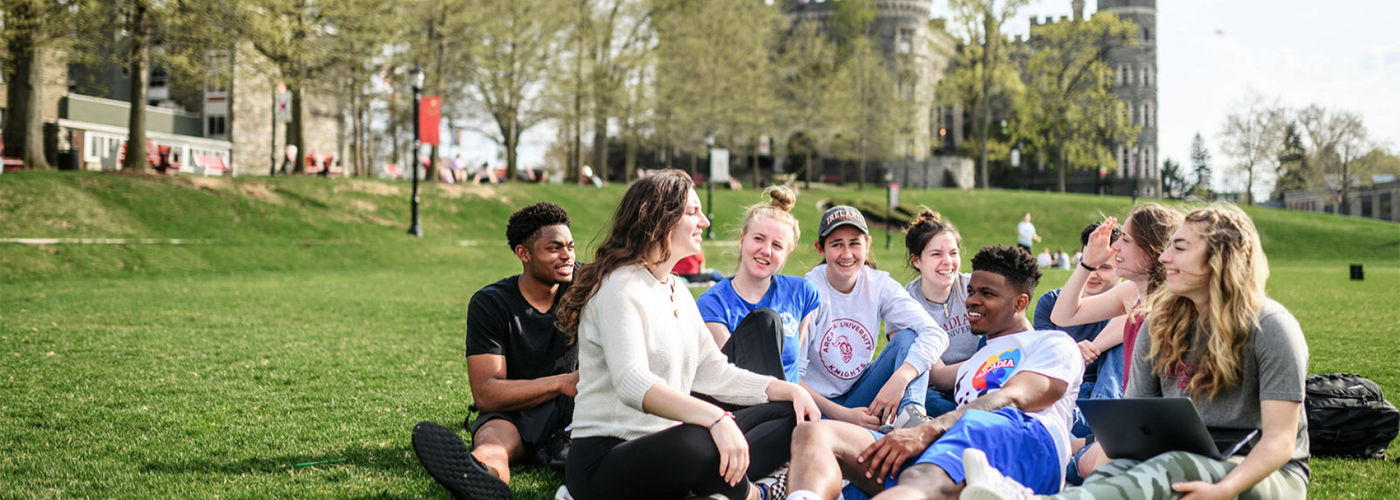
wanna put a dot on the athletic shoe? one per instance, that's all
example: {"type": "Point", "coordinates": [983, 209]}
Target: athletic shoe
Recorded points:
{"type": "Point", "coordinates": [984, 482]}
{"type": "Point", "coordinates": [773, 486]}
{"type": "Point", "coordinates": [554, 453]}
{"type": "Point", "coordinates": [450, 463]}
{"type": "Point", "coordinates": [563, 494]}
{"type": "Point", "coordinates": [912, 415]}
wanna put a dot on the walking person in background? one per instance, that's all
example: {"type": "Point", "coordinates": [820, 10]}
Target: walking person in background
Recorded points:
{"type": "Point", "coordinates": [1216, 338]}
{"type": "Point", "coordinates": [643, 347]}
{"type": "Point", "coordinates": [1025, 233]}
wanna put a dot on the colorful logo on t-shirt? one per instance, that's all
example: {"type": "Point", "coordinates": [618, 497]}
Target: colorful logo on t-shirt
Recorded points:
{"type": "Point", "coordinates": [994, 372]}
{"type": "Point", "coordinates": [845, 348]}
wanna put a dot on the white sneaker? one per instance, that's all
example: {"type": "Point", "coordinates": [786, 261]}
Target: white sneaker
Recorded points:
{"type": "Point", "coordinates": [986, 483]}
{"type": "Point", "coordinates": [912, 415]}
{"type": "Point", "coordinates": [563, 494]}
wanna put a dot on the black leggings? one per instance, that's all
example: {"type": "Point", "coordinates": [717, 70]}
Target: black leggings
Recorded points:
{"type": "Point", "coordinates": [756, 344]}
{"type": "Point", "coordinates": [679, 461]}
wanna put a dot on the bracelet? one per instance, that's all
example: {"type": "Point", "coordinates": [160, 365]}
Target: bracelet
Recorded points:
{"type": "Point", "coordinates": [717, 421]}
{"type": "Point", "coordinates": [1086, 266]}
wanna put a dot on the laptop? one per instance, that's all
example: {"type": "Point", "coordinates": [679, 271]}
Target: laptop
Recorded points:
{"type": "Point", "coordinates": [1142, 428]}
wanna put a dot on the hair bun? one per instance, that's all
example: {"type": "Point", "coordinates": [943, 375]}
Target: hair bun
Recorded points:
{"type": "Point", "coordinates": [927, 214]}
{"type": "Point", "coordinates": [782, 198]}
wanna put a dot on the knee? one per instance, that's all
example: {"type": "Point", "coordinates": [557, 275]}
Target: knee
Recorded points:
{"type": "Point", "coordinates": [809, 438]}
{"type": "Point", "coordinates": [765, 317]}
{"type": "Point", "coordinates": [931, 480]}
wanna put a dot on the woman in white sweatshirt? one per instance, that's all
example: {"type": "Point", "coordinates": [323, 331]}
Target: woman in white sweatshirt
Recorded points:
{"type": "Point", "coordinates": [643, 347]}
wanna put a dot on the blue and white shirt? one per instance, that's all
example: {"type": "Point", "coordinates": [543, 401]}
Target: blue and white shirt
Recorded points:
{"type": "Point", "coordinates": [791, 297]}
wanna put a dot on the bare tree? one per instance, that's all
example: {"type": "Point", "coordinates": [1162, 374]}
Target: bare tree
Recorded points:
{"type": "Point", "coordinates": [1253, 133]}
{"type": "Point", "coordinates": [1338, 139]}
{"type": "Point", "coordinates": [981, 22]}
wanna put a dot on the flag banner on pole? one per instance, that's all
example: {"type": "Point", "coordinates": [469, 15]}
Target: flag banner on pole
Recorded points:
{"type": "Point", "coordinates": [429, 117]}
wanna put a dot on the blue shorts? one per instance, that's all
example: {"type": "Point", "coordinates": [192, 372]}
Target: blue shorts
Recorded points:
{"type": "Point", "coordinates": [1016, 444]}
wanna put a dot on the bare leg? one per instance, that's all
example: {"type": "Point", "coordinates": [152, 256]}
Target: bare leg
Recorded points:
{"type": "Point", "coordinates": [825, 451]}
{"type": "Point", "coordinates": [923, 482]}
{"type": "Point", "coordinates": [1091, 460]}
{"type": "Point", "coordinates": [497, 443]}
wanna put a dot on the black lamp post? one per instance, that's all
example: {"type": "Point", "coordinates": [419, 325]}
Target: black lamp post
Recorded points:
{"type": "Point", "coordinates": [710, 184]}
{"type": "Point", "coordinates": [416, 77]}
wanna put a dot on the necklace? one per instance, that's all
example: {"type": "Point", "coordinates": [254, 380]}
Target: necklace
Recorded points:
{"type": "Point", "coordinates": [670, 282]}
{"type": "Point", "coordinates": [937, 303]}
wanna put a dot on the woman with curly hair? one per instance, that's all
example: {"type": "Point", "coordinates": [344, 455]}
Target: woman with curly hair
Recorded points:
{"type": "Point", "coordinates": [1214, 337]}
{"type": "Point", "coordinates": [643, 347]}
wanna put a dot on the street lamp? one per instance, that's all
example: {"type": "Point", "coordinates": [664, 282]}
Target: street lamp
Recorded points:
{"type": "Point", "coordinates": [710, 184]}
{"type": "Point", "coordinates": [415, 80]}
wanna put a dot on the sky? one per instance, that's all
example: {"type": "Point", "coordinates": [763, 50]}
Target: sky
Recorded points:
{"type": "Point", "coordinates": [1340, 54]}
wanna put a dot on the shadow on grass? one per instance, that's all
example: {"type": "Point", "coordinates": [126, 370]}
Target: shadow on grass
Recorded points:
{"type": "Point", "coordinates": [393, 459]}
{"type": "Point", "coordinates": [304, 200]}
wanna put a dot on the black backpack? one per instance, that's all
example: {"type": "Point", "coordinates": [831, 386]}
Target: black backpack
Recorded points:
{"type": "Point", "coordinates": [1348, 416]}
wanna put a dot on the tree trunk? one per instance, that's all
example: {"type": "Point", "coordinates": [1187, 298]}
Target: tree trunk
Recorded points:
{"type": "Point", "coordinates": [1060, 162]}
{"type": "Point", "coordinates": [296, 129]}
{"type": "Point", "coordinates": [24, 118]}
{"type": "Point", "coordinates": [989, 30]}
{"type": "Point", "coordinates": [1248, 188]}
{"type": "Point", "coordinates": [600, 141]}
{"type": "Point", "coordinates": [807, 170]}
{"type": "Point", "coordinates": [137, 67]}
{"type": "Point", "coordinates": [394, 130]}
{"type": "Point", "coordinates": [755, 163]}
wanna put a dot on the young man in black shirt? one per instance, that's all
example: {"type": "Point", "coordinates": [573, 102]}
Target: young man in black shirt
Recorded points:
{"type": "Point", "coordinates": [523, 371]}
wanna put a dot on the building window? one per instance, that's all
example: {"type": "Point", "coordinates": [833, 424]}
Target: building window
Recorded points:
{"type": "Point", "coordinates": [1122, 73]}
{"type": "Point", "coordinates": [1386, 209]}
{"type": "Point", "coordinates": [1148, 118]}
{"type": "Point", "coordinates": [906, 91]}
{"type": "Point", "coordinates": [159, 77]}
{"type": "Point", "coordinates": [906, 41]}
{"type": "Point", "coordinates": [216, 126]}
{"type": "Point", "coordinates": [1366, 207]}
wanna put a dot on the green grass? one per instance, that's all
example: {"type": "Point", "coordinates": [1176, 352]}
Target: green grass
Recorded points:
{"type": "Point", "coordinates": [312, 328]}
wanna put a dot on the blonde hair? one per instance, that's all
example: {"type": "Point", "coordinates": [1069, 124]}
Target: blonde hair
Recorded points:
{"type": "Point", "coordinates": [778, 207]}
{"type": "Point", "coordinates": [1238, 272]}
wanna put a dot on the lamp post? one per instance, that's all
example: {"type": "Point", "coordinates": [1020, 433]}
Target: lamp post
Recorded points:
{"type": "Point", "coordinates": [416, 77]}
{"type": "Point", "coordinates": [710, 184]}
{"type": "Point", "coordinates": [889, 206]}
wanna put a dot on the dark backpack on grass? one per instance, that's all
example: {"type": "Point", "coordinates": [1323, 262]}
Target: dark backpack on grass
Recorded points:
{"type": "Point", "coordinates": [1348, 416]}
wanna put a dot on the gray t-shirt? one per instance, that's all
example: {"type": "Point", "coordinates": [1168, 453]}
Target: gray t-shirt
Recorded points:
{"type": "Point", "coordinates": [1275, 368]}
{"type": "Point", "coordinates": [952, 316]}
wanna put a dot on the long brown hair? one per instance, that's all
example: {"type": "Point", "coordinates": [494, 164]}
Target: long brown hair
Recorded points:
{"type": "Point", "coordinates": [640, 228]}
{"type": "Point", "coordinates": [1153, 226]}
{"type": "Point", "coordinates": [1238, 273]}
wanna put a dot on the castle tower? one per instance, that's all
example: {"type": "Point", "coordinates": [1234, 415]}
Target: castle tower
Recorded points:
{"type": "Point", "coordinates": [901, 33]}
{"type": "Point", "coordinates": [1136, 85]}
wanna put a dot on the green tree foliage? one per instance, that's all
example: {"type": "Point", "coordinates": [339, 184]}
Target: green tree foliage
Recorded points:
{"type": "Point", "coordinates": [984, 67]}
{"type": "Point", "coordinates": [868, 125]}
{"type": "Point", "coordinates": [1175, 184]}
{"type": "Point", "coordinates": [1294, 170]}
{"type": "Point", "coordinates": [808, 88]}
{"type": "Point", "coordinates": [1068, 108]}
{"type": "Point", "coordinates": [306, 41]}
{"type": "Point", "coordinates": [713, 70]}
{"type": "Point", "coordinates": [34, 31]}
{"type": "Point", "coordinates": [1200, 166]}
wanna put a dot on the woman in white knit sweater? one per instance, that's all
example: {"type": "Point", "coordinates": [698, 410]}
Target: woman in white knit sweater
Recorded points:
{"type": "Point", "coordinates": [643, 347]}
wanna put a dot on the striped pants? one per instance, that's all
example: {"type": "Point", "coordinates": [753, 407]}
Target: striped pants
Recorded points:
{"type": "Point", "coordinates": [1153, 479]}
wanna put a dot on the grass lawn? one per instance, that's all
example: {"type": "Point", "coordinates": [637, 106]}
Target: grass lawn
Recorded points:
{"type": "Point", "coordinates": [311, 329]}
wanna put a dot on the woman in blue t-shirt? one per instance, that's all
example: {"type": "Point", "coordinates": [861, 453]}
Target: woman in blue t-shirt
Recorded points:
{"type": "Point", "coordinates": [759, 317]}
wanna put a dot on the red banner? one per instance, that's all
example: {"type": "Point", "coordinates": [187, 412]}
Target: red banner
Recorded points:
{"type": "Point", "coordinates": [429, 117]}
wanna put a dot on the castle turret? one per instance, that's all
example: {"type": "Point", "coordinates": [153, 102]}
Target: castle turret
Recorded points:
{"type": "Point", "coordinates": [1136, 85]}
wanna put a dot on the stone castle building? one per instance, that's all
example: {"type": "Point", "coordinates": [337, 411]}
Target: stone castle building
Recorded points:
{"type": "Point", "coordinates": [1138, 169]}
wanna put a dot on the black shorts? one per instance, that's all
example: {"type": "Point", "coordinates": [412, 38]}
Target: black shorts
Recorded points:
{"type": "Point", "coordinates": [535, 425]}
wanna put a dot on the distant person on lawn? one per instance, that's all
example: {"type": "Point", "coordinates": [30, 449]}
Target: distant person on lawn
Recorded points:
{"type": "Point", "coordinates": [1025, 233]}
{"type": "Point", "coordinates": [523, 370]}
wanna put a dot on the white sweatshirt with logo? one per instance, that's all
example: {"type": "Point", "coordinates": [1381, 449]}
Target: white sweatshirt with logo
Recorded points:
{"type": "Point", "coordinates": [842, 339]}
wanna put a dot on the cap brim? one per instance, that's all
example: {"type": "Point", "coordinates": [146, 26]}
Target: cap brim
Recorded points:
{"type": "Point", "coordinates": [833, 227]}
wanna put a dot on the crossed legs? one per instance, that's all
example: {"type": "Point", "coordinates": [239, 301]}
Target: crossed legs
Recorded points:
{"type": "Point", "coordinates": [496, 444]}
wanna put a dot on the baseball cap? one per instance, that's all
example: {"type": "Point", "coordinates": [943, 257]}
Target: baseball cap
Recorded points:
{"type": "Point", "coordinates": [841, 215]}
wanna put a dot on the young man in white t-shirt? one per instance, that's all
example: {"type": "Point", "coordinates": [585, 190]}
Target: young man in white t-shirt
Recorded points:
{"type": "Point", "coordinates": [1015, 397]}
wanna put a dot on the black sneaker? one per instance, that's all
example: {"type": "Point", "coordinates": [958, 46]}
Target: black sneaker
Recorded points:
{"type": "Point", "coordinates": [450, 463]}
{"type": "Point", "coordinates": [555, 451]}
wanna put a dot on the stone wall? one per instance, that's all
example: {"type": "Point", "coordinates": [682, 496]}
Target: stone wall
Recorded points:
{"type": "Point", "coordinates": [250, 117]}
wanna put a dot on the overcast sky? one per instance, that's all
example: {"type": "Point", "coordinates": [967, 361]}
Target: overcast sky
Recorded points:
{"type": "Point", "coordinates": [1340, 54]}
